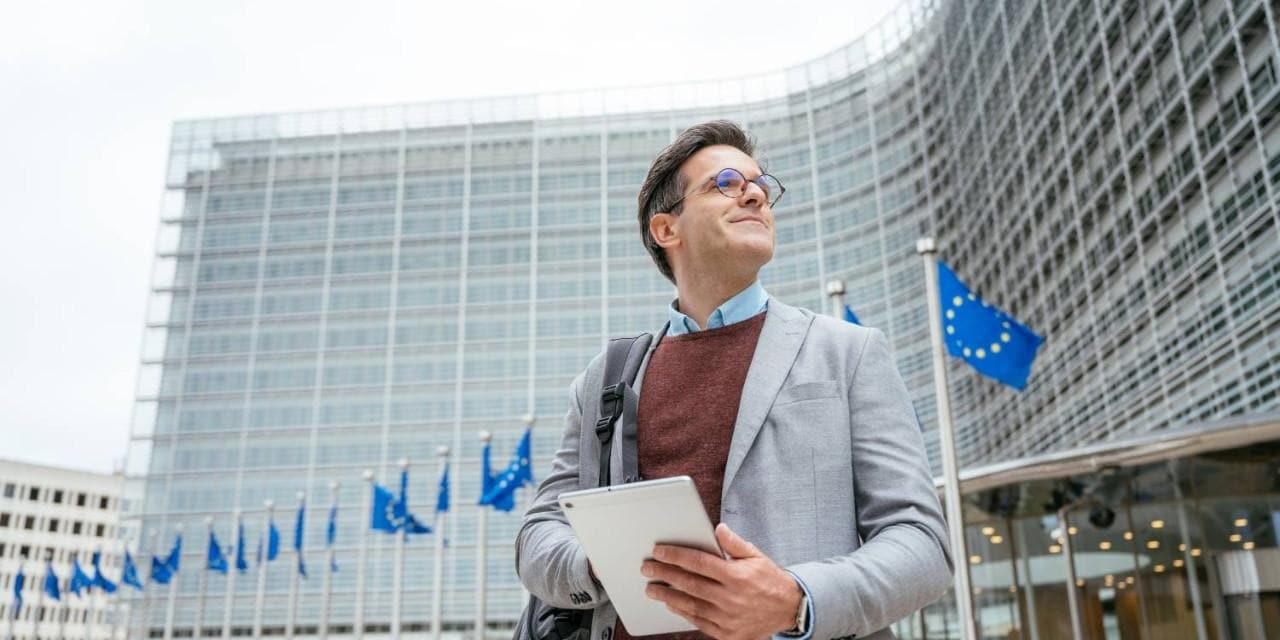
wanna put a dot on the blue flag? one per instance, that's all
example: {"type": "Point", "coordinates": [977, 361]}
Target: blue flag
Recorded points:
{"type": "Point", "coordinates": [242, 565]}
{"type": "Point", "coordinates": [214, 558]}
{"type": "Point", "coordinates": [175, 555]}
{"type": "Point", "coordinates": [849, 316]}
{"type": "Point", "coordinates": [51, 582]}
{"type": "Point", "coordinates": [160, 573]}
{"type": "Point", "coordinates": [80, 581]}
{"type": "Point", "coordinates": [299, 528]}
{"type": "Point", "coordinates": [990, 340]}
{"type": "Point", "coordinates": [19, 581]}
{"type": "Point", "coordinates": [273, 540]}
{"type": "Point", "coordinates": [442, 496]}
{"type": "Point", "coordinates": [331, 535]}
{"type": "Point", "coordinates": [404, 518]}
{"type": "Point", "coordinates": [129, 575]}
{"type": "Point", "coordinates": [100, 581]}
{"type": "Point", "coordinates": [501, 490]}
{"type": "Point", "coordinates": [382, 516]}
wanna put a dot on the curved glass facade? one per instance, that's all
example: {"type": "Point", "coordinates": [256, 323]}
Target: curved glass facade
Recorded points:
{"type": "Point", "coordinates": [337, 290]}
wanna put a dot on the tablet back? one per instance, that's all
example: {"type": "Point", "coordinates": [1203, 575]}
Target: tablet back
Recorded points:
{"type": "Point", "coordinates": [619, 525]}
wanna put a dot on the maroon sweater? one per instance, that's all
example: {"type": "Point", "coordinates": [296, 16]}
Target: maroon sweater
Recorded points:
{"type": "Point", "coordinates": [688, 406]}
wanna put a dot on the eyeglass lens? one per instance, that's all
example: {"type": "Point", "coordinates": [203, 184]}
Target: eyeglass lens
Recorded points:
{"type": "Point", "coordinates": [732, 183]}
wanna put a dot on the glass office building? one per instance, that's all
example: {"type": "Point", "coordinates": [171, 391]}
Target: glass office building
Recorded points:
{"type": "Point", "coordinates": [337, 290]}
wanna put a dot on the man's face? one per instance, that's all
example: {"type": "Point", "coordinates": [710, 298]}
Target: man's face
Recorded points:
{"type": "Point", "coordinates": [716, 232]}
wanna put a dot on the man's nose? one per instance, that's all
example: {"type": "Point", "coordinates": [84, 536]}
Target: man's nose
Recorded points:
{"type": "Point", "coordinates": [753, 195]}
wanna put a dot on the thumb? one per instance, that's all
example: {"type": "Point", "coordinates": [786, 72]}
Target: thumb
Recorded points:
{"type": "Point", "coordinates": [733, 545]}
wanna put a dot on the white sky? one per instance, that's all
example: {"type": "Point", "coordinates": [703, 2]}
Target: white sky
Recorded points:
{"type": "Point", "coordinates": [89, 90]}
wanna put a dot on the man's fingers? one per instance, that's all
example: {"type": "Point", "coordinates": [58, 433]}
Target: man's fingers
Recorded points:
{"type": "Point", "coordinates": [692, 560]}
{"type": "Point", "coordinates": [690, 583]}
{"type": "Point", "coordinates": [733, 544]}
{"type": "Point", "coordinates": [682, 601]}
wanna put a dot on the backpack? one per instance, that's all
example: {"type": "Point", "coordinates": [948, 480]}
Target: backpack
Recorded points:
{"type": "Point", "coordinates": [541, 621]}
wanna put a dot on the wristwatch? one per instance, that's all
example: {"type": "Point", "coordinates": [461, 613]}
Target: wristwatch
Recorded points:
{"type": "Point", "coordinates": [802, 619]}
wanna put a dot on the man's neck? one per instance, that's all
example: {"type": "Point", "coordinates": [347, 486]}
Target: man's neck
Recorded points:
{"type": "Point", "coordinates": [700, 297]}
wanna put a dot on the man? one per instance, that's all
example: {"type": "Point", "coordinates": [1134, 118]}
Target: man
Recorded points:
{"type": "Point", "coordinates": [796, 428]}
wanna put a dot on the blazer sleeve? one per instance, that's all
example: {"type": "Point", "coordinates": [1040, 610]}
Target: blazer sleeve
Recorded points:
{"type": "Point", "coordinates": [550, 561]}
{"type": "Point", "coordinates": [904, 562]}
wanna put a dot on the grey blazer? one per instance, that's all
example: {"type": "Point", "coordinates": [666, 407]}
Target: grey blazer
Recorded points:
{"type": "Point", "coordinates": [826, 474]}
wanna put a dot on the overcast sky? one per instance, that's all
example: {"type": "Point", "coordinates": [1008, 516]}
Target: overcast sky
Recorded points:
{"type": "Point", "coordinates": [89, 90]}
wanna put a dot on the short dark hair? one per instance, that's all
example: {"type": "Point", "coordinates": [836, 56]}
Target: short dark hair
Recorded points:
{"type": "Point", "coordinates": [664, 184]}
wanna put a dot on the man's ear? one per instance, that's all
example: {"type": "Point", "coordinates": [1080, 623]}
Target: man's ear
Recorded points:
{"type": "Point", "coordinates": [664, 229]}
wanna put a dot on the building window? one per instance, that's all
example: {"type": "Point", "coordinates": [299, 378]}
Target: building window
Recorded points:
{"type": "Point", "coordinates": [100, 530]}
{"type": "Point", "coordinates": [81, 499]}
{"type": "Point", "coordinates": [53, 525]}
{"type": "Point", "coordinates": [30, 523]}
{"type": "Point", "coordinates": [24, 551]}
{"type": "Point", "coordinates": [103, 502]}
{"type": "Point", "coordinates": [9, 489]}
{"type": "Point", "coordinates": [33, 494]}
{"type": "Point", "coordinates": [76, 527]}
{"type": "Point", "coordinates": [4, 519]}
{"type": "Point", "coordinates": [2, 549]}
{"type": "Point", "coordinates": [57, 496]}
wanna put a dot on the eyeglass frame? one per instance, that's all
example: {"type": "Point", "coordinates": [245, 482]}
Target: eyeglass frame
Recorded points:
{"type": "Point", "coordinates": [781, 189]}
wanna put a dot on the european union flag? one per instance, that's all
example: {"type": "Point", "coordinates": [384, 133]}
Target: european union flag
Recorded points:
{"type": "Point", "coordinates": [405, 519]}
{"type": "Point", "coordinates": [299, 525]}
{"type": "Point", "coordinates": [442, 496]}
{"type": "Point", "coordinates": [849, 317]}
{"type": "Point", "coordinates": [382, 517]}
{"type": "Point", "coordinates": [80, 581]}
{"type": "Point", "coordinates": [19, 581]}
{"type": "Point", "coordinates": [273, 540]}
{"type": "Point", "coordinates": [242, 564]}
{"type": "Point", "coordinates": [331, 534]}
{"type": "Point", "coordinates": [175, 556]}
{"type": "Point", "coordinates": [160, 573]}
{"type": "Point", "coordinates": [100, 581]}
{"type": "Point", "coordinates": [214, 559]}
{"type": "Point", "coordinates": [51, 582]}
{"type": "Point", "coordinates": [990, 340]}
{"type": "Point", "coordinates": [501, 490]}
{"type": "Point", "coordinates": [129, 575]}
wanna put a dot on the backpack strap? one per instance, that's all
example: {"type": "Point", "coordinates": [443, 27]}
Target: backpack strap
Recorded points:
{"type": "Point", "coordinates": [622, 363]}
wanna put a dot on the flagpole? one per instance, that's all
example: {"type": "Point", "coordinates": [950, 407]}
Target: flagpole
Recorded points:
{"type": "Point", "coordinates": [204, 577]}
{"type": "Point", "coordinates": [328, 568]}
{"type": "Point", "coordinates": [173, 599]}
{"type": "Point", "coordinates": [293, 580]}
{"type": "Point", "coordinates": [482, 542]}
{"type": "Point", "coordinates": [12, 612]}
{"type": "Point", "coordinates": [358, 631]}
{"type": "Point", "coordinates": [397, 598]}
{"type": "Point", "coordinates": [35, 618]}
{"type": "Point", "coordinates": [62, 609]}
{"type": "Point", "coordinates": [835, 291]}
{"type": "Point", "coordinates": [89, 622]}
{"type": "Point", "coordinates": [264, 541]}
{"type": "Point", "coordinates": [153, 539]}
{"type": "Point", "coordinates": [946, 436]}
{"type": "Point", "coordinates": [232, 569]}
{"type": "Point", "coordinates": [527, 500]}
{"type": "Point", "coordinates": [437, 565]}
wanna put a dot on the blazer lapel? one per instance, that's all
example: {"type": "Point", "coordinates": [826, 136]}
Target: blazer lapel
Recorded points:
{"type": "Point", "coordinates": [780, 339]}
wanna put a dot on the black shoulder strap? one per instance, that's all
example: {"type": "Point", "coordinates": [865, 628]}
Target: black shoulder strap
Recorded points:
{"type": "Point", "coordinates": [622, 363]}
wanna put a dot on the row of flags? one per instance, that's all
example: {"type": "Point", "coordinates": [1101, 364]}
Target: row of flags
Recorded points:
{"type": "Point", "coordinates": [80, 583]}
{"type": "Point", "coordinates": [986, 338]}
{"type": "Point", "coordinates": [389, 514]}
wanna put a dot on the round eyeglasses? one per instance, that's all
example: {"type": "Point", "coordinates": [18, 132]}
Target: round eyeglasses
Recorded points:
{"type": "Point", "coordinates": [732, 184]}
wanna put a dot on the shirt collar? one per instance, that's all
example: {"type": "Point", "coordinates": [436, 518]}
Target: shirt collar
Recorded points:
{"type": "Point", "coordinates": [746, 304]}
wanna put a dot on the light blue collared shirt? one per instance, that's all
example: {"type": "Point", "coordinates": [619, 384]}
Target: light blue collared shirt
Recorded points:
{"type": "Point", "coordinates": [747, 304]}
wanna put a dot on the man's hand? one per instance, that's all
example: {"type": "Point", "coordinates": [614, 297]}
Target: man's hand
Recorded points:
{"type": "Point", "coordinates": [744, 597]}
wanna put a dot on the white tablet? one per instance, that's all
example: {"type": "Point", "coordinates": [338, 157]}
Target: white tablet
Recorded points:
{"type": "Point", "coordinates": [619, 525]}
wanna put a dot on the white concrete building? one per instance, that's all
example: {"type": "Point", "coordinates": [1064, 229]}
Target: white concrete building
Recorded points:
{"type": "Point", "coordinates": [56, 514]}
